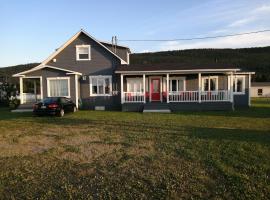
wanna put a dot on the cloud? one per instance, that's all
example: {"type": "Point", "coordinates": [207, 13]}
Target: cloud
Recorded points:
{"type": "Point", "coordinates": [253, 40]}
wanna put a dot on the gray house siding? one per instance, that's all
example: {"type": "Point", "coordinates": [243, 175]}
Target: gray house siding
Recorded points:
{"type": "Point", "coordinates": [242, 100]}
{"type": "Point", "coordinates": [121, 52]}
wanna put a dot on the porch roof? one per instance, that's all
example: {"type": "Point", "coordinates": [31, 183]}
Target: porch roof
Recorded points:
{"type": "Point", "coordinates": [175, 67]}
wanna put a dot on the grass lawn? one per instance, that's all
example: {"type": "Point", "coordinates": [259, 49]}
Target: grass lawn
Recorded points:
{"type": "Point", "coordinates": [108, 155]}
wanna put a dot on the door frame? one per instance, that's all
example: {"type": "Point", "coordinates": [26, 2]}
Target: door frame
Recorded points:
{"type": "Point", "coordinates": [150, 89]}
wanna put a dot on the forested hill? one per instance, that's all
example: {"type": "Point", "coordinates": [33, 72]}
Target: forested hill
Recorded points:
{"type": "Point", "coordinates": [253, 59]}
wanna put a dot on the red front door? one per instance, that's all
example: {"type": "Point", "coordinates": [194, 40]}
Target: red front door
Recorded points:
{"type": "Point", "coordinates": [155, 89]}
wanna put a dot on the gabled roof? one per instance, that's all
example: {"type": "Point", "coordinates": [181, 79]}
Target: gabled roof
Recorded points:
{"type": "Point", "coordinates": [41, 65]}
{"type": "Point", "coordinates": [45, 66]}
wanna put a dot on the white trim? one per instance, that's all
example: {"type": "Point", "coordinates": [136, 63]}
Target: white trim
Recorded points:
{"type": "Point", "coordinates": [57, 78]}
{"type": "Point", "coordinates": [144, 98]}
{"type": "Point", "coordinates": [209, 82]}
{"type": "Point", "coordinates": [21, 90]}
{"type": "Point", "coordinates": [76, 91]}
{"type": "Point", "coordinates": [166, 71]}
{"type": "Point", "coordinates": [249, 90]}
{"type": "Point", "coordinates": [167, 87]}
{"type": "Point", "coordinates": [235, 77]}
{"type": "Point", "coordinates": [122, 88]}
{"type": "Point", "coordinates": [77, 53]}
{"type": "Point", "coordinates": [128, 57]}
{"type": "Point", "coordinates": [200, 86]}
{"type": "Point", "coordinates": [45, 66]}
{"type": "Point", "coordinates": [103, 77]}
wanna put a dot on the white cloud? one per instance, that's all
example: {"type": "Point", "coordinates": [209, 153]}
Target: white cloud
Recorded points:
{"type": "Point", "coordinates": [262, 9]}
{"type": "Point", "coordinates": [253, 40]}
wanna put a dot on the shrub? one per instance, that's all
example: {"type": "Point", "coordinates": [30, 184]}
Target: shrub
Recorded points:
{"type": "Point", "coordinates": [14, 103]}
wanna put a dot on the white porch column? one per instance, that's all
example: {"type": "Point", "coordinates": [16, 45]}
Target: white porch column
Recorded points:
{"type": "Point", "coordinates": [76, 91]}
{"type": "Point", "coordinates": [122, 88]}
{"type": "Point", "coordinates": [249, 86]}
{"type": "Point", "coordinates": [231, 87]}
{"type": "Point", "coordinates": [21, 90]}
{"type": "Point", "coordinates": [167, 86]}
{"type": "Point", "coordinates": [144, 98]}
{"type": "Point", "coordinates": [200, 87]}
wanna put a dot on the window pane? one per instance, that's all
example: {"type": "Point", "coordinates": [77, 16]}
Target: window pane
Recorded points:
{"type": "Point", "coordinates": [260, 92]}
{"type": "Point", "coordinates": [180, 85]}
{"type": "Point", "coordinates": [173, 85]}
{"type": "Point", "coordinates": [94, 81]}
{"type": "Point", "coordinates": [205, 84]}
{"type": "Point", "coordinates": [59, 88]}
{"type": "Point", "coordinates": [83, 56]}
{"type": "Point", "coordinates": [213, 84]}
{"type": "Point", "coordinates": [107, 86]}
{"type": "Point", "coordinates": [94, 89]}
{"type": "Point", "coordinates": [100, 86]}
{"type": "Point", "coordinates": [83, 52]}
{"type": "Point", "coordinates": [239, 85]}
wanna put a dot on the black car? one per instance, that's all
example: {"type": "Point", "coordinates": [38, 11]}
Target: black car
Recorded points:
{"type": "Point", "coordinates": [54, 106]}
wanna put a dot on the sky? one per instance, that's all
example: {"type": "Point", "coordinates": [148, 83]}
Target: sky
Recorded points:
{"type": "Point", "coordinates": [31, 30]}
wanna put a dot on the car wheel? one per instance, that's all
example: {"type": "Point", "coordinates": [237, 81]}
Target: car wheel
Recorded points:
{"type": "Point", "coordinates": [74, 109]}
{"type": "Point", "coordinates": [61, 113]}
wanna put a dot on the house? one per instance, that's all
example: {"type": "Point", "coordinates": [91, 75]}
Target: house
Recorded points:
{"type": "Point", "coordinates": [260, 89]}
{"type": "Point", "coordinates": [98, 75]}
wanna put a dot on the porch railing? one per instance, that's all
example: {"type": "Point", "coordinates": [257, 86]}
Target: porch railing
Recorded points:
{"type": "Point", "coordinates": [133, 97]}
{"type": "Point", "coordinates": [219, 95]}
{"type": "Point", "coordinates": [182, 96]}
{"type": "Point", "coordinates": [30, 97]}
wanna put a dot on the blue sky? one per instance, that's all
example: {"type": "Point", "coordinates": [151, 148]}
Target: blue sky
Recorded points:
{"type": "Point", "coordinates": [33, 29]}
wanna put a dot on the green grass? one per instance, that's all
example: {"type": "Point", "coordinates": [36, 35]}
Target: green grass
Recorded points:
{"type": "Point", "coordinates": [108, 155]}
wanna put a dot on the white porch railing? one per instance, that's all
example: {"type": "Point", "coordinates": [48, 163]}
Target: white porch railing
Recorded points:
{"type": "Point", "coordinates": [219, 95]}
{"type": "Point", "coordinates": [133, 97]}
{"type": "Point", "coordinates": [184, 96]}
{"type": "Point", "coordinates": [30, 97]}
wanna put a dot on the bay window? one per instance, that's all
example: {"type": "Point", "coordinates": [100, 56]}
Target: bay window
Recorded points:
{"type": "Point", "coordinates": [100, 85]}
{"type": "Point", "coordinates": [58, 87]}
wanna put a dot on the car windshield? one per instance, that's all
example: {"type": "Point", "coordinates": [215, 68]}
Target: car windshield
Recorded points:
{"type": "Point", "coordinates": [49, 100]}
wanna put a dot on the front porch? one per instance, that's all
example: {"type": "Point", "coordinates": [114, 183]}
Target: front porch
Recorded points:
{"type": "Point", "coordinates": [177, 88]}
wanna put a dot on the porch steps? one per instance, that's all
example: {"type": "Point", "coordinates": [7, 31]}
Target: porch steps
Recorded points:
{"type": "Point", "coordinates": [24, 108]}
{"type": "Point", "coordinates": [156, 108]}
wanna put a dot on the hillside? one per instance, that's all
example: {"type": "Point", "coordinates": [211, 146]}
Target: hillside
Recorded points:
{"type": "Point", "coordinates": [253, 59]}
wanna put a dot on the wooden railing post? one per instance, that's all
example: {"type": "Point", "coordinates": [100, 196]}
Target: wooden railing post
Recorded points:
{"type": "Point", "coordinates": [167, 88]}
{"type": "Point", "coordinates": [122, 88]}
{"type": "Point", "coordinates": [144, 98]}
{"type": "Point", "coordinates": [200, 87]}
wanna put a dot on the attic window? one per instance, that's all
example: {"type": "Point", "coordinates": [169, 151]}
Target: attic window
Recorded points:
{"type": "Point", "coordinates": [83, 52]}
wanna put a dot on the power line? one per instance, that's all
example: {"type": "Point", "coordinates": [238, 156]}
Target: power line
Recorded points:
{"type": "Point", "coordinates": [194, 38]}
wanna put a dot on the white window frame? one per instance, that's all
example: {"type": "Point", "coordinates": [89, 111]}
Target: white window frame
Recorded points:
{"type": "Point", "coordinates": [138, 80]}
{"type": "Point", "coordinates": [177, 86]}
{"type": "Point", "coordinates": [209, 85]}
{"type": "Point", "coordinates": [235, 84]}
{"type": "Point", "coordinates": [58, 78]}
{"type": "Point", "coordinates": [77, 52]}
{"type": "Point", "coordinates": [100, 77]}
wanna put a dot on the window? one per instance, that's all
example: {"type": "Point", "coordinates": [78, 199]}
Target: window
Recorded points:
{"type": "Point", "coordinates": [260, 92]}
{"type": "Point", "coordinates": [83, 52]}
{"type": "Point", "coordinates": [210, 83]}
{"type": "Point", "coordinates": [100, 85]}
{"type": "Point", "coordinates": [134, 85]}
{"type": "Point", "coordinates": [58, 87]}
{"type": "Point", "coordinates": [239, 85]}
{"type": "Point", "coordinates": [177, 84]}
